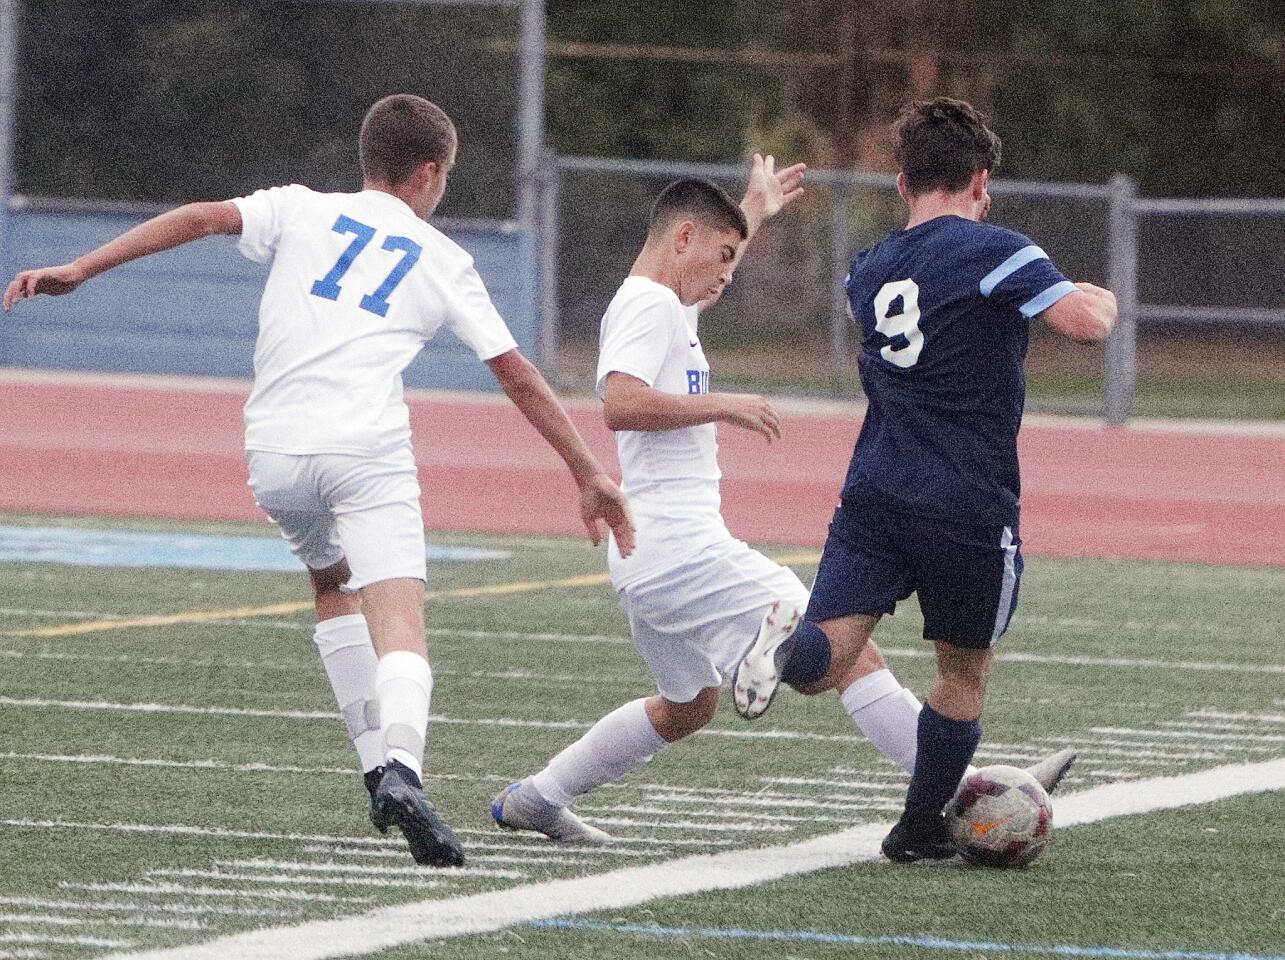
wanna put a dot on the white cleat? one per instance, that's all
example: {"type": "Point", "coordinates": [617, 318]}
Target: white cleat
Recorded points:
{"type": "Point", "coordinates": [520, 807]}
{"type": "Point", "coordinates": [1050, 771]}
{"type": "Point", "coordinates": [758, 676]}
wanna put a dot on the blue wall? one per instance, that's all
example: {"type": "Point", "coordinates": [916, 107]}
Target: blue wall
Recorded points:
{"type": "Point", "coordinates": [194, 310]}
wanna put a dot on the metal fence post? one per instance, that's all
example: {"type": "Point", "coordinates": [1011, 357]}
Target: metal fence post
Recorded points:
{"type": "Point", "coordinates": [548, 227]}
{"type": "Point", "coordinates": [530, 120]}
{"type": "Point", "coordinates": [840, 252]}
{"type": "Point", "coordinates": [10, 18]}
{"type": "Point", "coordinates": [1122, 345]}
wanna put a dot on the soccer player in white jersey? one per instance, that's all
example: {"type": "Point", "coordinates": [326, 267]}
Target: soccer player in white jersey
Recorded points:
{"type": "Point", "coordinates": [358, 282]}
{"type": "Point", "coordinates": [695, 596]}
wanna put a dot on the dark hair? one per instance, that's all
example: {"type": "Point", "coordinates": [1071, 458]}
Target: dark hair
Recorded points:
{"type": "Point", "coordinates": [941, 143]}
{"type": "Point", "coordinates": [700, 201]}
{"type": "Point", "coordinates": [401, 132]}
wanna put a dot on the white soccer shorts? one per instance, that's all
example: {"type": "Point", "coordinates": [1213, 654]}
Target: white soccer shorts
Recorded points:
{"type": "Point", "coordinates": [693, 622]}
{"type": "Point", "coordinates": [333, 506]}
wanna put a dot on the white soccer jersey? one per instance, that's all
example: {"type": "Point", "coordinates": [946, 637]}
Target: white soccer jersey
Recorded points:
{"type": "Point", "coordinates": [358, 283]}
{"type": "Point", "coordinates": [670, 476]}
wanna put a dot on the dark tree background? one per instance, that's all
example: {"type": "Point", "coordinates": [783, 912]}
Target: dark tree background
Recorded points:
{"type": "Point", "coordinates": [156, 100]}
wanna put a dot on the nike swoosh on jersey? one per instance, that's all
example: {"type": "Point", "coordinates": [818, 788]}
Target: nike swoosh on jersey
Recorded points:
{"type": "Point", "coordinates": [694, 343]}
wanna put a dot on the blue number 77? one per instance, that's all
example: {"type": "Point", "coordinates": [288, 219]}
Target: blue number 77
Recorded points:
{"type": "Point", "coordinates": [377, 303]}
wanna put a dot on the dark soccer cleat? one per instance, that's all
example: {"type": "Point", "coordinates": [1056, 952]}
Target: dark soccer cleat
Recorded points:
{"type": "Point", "coordinates": [918, 838]}
{"type": "Point", "coordinates": [372, 778]}
{"type": "Point", "coordinates": [400, 801]}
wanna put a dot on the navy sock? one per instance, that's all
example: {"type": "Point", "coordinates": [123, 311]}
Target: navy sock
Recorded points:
{"type": "Point", "coordinates": [809, 656]}
{"type": "Point", "coordinates": [945, 747]}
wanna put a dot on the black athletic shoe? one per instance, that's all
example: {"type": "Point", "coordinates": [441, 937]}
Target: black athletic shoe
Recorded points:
{"type": "Point", "coordinates": [918, 838]}
{"type": "Point", "coordinates": [400, 800]}
{"type": "Point", "coordinates": [372, 778]}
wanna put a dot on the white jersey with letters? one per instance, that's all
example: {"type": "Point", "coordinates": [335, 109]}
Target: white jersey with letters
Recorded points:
{"type": "Point", "coordinates": [357, 284]}
{"type": "Point", "coordinates": [670, 476]}
{"type": "Point", "coordinates": [693, 593]}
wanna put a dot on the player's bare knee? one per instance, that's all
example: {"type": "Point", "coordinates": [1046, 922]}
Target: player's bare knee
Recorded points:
{"type": "Point", "coordinates": [330, 579]}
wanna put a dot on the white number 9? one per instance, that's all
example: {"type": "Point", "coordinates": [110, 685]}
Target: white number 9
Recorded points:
{"type": "Point", "coordinates": [905, 323]}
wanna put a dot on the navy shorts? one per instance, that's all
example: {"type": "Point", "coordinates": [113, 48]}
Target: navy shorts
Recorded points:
{"type": "Point", "coordinates": [966, 575]}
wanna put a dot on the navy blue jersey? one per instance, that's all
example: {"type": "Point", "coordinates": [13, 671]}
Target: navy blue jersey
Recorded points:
{"type": "Point", "coordinates": [944, 309]}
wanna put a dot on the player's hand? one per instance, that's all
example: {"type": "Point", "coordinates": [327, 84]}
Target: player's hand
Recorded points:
{"type": "Point", "coordinates": [1093, 290]}
{"type": "Point", "coordinates": [54, 281]}
{"type": "Point", "coordinates": [769, 190]}
{"type": "Point", "coordinates": [751, 412]}
{"type": "Point", "coordinates": [602, 505]}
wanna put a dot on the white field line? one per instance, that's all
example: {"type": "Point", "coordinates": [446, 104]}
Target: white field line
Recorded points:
{"type": "Point", "coordinates": [1202, 751]}
{"type": "Point", "coordinates": [182, 890]}
{"type": "Point", "coordinates": [667, 812]}
{"type": "Point", "coordinates": [22, 953]}
{"type": "Point", "coordinates": [540, 843]}
{"type": "Point", "coordinates": [1254, 717]}
{"type": "Point", "coordinates": [1111, 774]}
{"type": "Point", "coordinates": [400, 855]}
{"type": "Point", "coordinates": [300, 666]}
{"type": "Point", "coordinates": [671, 824]}
{"type": "Point", "coordinates": [295, 879]}
{"type": "Point", "coordinates": [1143, 663]}
{"type": "Point", "coordinates": [65, 941]}
{"type": "Point", "coordinates": [133, 906]}
{"type": "Point", "coordinates": [221, 766]}
{"type": "Point", "coordinates": [898, 788]}
{"type": "Point", "coordinates": [191, 710]}
{"type": "Point", "coordinates": [321, 866]}
{"type": "Point", "coordinates": [1209, 725]}
{"type": "Point", "coordinates": [393, 926]}
{"type": "Point", "coordinates": [535, 846]}
{"type": "Point", "coordinates": [1190, 735]}
{"type": "Point", "coordinates": [1014, 656]}
{"type": "Point", "coordinates": [50, 920]}
{"type": "Point", "coordinates": [791, 802]}
{"type": "Point", "coordinates": [194, 830]}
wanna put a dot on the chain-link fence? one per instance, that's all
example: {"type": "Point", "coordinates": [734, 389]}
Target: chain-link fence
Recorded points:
{"type": "Point", "coordinates": [1200, 283]}
{"type": "Point", "coordinates": [781, 326]}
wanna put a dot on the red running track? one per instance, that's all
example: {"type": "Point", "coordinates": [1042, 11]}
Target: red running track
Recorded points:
{"type": "Point", "coordinates": [163, 448]}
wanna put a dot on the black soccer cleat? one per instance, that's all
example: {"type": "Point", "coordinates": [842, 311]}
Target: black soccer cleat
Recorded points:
{"type": "Point", "coordinates": [372, 778]}
{"type": "Point", "coordinates": [916, 837]}
{"type": "Point", "coordinates": [400, 800]}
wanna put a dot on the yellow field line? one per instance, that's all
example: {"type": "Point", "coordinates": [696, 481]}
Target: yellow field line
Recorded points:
{"type": "Point", "coordinates": [276, 609]}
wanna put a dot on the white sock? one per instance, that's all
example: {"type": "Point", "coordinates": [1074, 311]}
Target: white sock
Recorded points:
{"type": "Point", "coordinates": [350, 661]}
{"type": "Point", "coordinates": [887, 713]}
{"type": "Point", "coordinates": [404, 687]}
{"type": "Point", "coordinates": [619, 742]}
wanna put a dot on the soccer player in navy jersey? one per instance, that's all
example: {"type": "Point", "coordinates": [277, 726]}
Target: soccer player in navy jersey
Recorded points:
{"type": "Point", "coordinates": [931, 500]}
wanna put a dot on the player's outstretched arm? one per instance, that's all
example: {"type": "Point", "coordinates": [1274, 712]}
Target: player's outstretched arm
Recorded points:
{"type": "Point", "coordinates": [629, 404]}
{"type": "Point", "coordinates": [602, 503]}
{"type": "Point", "coordinates": [1087, 315]}
{"type": "Point", "coordinates": [170, 229]}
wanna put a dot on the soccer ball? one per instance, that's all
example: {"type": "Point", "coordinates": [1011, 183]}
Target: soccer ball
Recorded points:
{"type": "Point", "coordinates": [1000, 817]}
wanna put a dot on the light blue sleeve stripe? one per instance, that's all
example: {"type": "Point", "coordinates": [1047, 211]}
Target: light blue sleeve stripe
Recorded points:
{"type": "Point", "coordinates": [1041, 302]}
{"type": "Point", "coordinates": [1010, 267]}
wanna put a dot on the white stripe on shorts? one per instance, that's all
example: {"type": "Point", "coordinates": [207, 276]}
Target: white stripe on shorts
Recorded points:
{"type": "Point", "coordinates": [1010, 582]}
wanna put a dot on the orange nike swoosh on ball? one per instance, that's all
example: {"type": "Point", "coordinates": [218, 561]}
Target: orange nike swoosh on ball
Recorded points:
{"type": "Point", "coordinates": [981, 829]}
